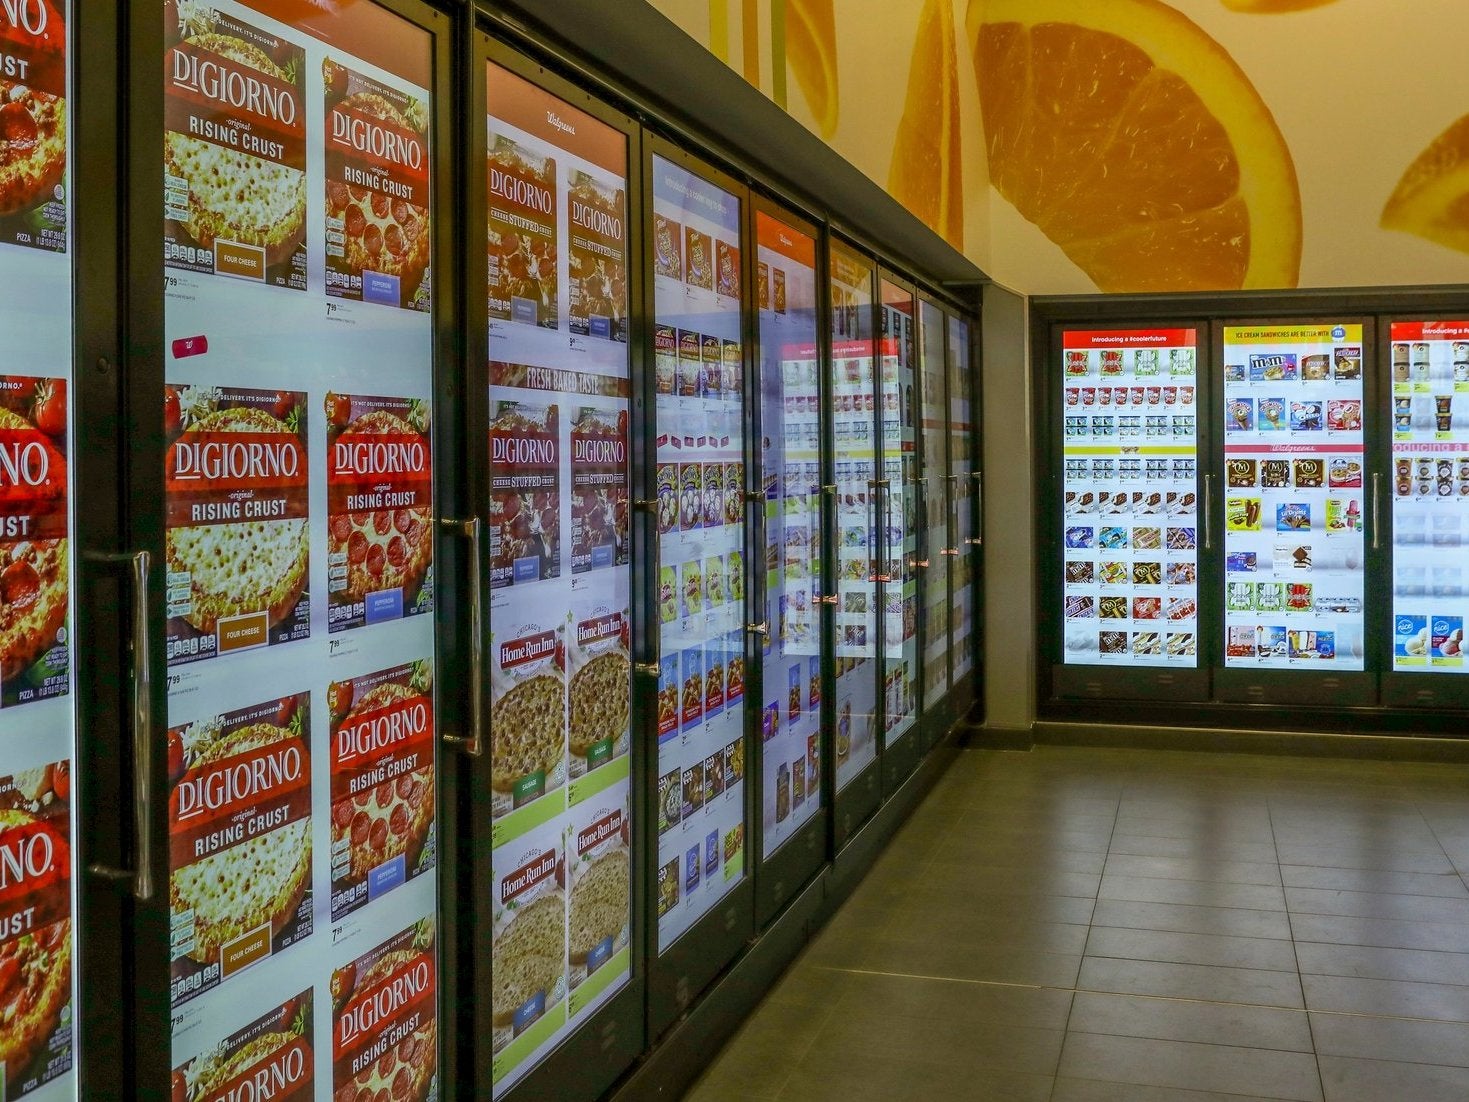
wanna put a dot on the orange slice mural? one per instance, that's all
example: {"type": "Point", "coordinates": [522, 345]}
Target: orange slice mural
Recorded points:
{"type": "Point", "coordinates": [1270, 7]}
{"type": "Point", "coordinates": [1432, 199]}
{"type": "Point", "coordinates": [926, 174]}
{"type": "Point", "coordinates": [1135, 142]}
{"type": "Point", "coordinates": [811, 54]}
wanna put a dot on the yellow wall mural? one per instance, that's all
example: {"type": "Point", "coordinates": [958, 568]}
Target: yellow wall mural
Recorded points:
{"type": "Point", "coordinates": [1070, 146]}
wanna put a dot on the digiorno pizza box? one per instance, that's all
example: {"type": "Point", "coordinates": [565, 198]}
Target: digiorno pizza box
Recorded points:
{"type": "Point", "coordinates": [522, 227]}
{"type": "Point", "coordinates": [378, 236]}
{"type": "Point", "coordinates": [382, 783]}
{"type": "Point", "coordinates": [234, 110]}
{"type": "Point", "coordinates": [35, 926]}
{"type": "Point", "coordinates": [34, 177]}
{"type": "Point", "coordinates": [596, 213]}
{"type": "Point", "coordinates": [34, 656]}
{"type": "Point", "coordinates": [239, 841]}
{"type": "Point", "coordinates": [237, 536]}
{"type": "Point", "coordinates": [599, 895]}
{"type": "Point", "coordinates": [599, 689]}
{"type": "Point", "coordinates": [599, 489]}
{"type": "Point", "coordinates": [273, 1056]}
{"type": "Point", "coordinates": [380, 539]}
{"type": "Point", "coordinates": [528, 712]}
{"type": "Point", "coordinates": [528, 964]}
{"type": "Point", "coordinates": [385, 1022]}
{"type": "Point", "coordinates": [525, 493]}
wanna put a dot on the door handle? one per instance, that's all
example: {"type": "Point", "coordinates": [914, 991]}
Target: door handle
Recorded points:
{"type": "Point", "coordinates": [653, 669]}
{"type": "Point", "coordinates": [473, 744]}
{"type": "Point", "coordinates": [142, 720]}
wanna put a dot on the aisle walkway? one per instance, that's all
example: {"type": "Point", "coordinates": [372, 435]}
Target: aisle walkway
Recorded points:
{"type": "Point", "coordinates": [1085, 925]}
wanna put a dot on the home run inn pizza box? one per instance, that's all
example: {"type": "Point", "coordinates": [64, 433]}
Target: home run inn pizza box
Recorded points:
{"type": "Point", "coordinates": [384, 1025]}
{"type": "Point", "coordinates": [271, 1058]}
{"type": "Point", "coordinates": [36, 937]}
{"type": "Point", "coordinates": [33, 178]}
{"type": "Point", "coordinates": [382, 754]}
{"type": "Point", "coordinates": [237, 520]}
{"type": "Point", "coordinates": [239, 841]}
{"type": "Point", "coordinates": [528, 713]}
{"type": "Point", "coordinates": [522, 246]}
{"type": "Point", "coordinates": [34, 657]}
{"type": "Point", "coordinates": [377, 191]}
{"type": "Point", "coordinates": [234, 150]}
{"type": "Point", "coordinates": [379, 510]}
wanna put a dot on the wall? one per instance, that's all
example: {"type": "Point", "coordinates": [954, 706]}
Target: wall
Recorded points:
{"type": "Point", "coordinates": [1243, 145]}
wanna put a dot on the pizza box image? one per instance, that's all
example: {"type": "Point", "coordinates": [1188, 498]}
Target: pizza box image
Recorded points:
{"type": "Point", "coordinates": [36, 931]}
{"type": "Point", "coordinates": [240, 854]}
{"type": "Point", "coordinates": [380, 532]}
{"type": "Point", "coordinates": [597, 258]}
{"type": "Point", "coordinates": [276, 1048]}
{"type": "Point", "coordinates": [599, 687]}
{"type": "Point", "coordinates": [522, 234]}
{"type": "Point", "coordinates": [528, 715]}
{"type": "Point", "coordinates": [382, 783]}
{"type": "Point", "coordinates": [212, 225]}
{"type": "Point", "coordinates": [238, 539]}
{"type": "Point", "coordinates": [384, 1019]}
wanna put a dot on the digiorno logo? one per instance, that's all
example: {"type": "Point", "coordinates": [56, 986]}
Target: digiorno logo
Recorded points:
{"type": "Point", "coordinates": [376, 140]}
{"type": "Point", "coordinates": [596, 219]}
{"type": "Point", "coordinates": [236, 457]}
{"type": "Point", "coordinates": [524, 449]}
{"type": "Point", "coordinates": [280, 1073]}
{"type": "Point", "coordinates": [28, 860]}
{"type": "Point", "coordinates": [383, 1003]}
{"type": "Point", "coordinates": [24, 460]}
{"type": "Point", "coordinates": [381, 730]}
{"type": "Point", "coordinates": [371, 456]}
{"type": "Point", "coordinates": [520, 191]}
{"type": "Point", "coordinates": [234, 783]}
{"type": "Point", "coordinates": [598, 449]}
{"type": "Point", "coordinates": [30, 16]}
{"type": "Point", "coordinates": [214, 78]}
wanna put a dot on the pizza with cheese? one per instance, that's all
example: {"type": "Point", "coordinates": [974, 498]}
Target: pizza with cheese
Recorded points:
{"type": "Point", "coordinates": [384, 549]}
{"type": "Point", "coordinates": [382, 234]}
{"type": "Point", "coordinates": [391, 818]}
{"type": "Point", "coordinates": [240, 566]}
{"type": "Point", "coordinates": [528, 730]}
{"type": "Point", "coordinates": [405, 1071]}
{"type": "Point", "coordinates": [32, 145]}
{"type": "Point", "coordinates": [599, 701]}
{"type": "Point", "coordinates": [235, 195]}
{"type": "Point", "coordinates": [35, 981]}
{"type": "Point", "coordinates": [529, 956]}
{"type": "Point", "coordinates": [600, 901]}
{"type": "Point", "coordinates": [259, 882]}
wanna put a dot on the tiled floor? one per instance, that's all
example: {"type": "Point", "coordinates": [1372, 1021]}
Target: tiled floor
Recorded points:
{"type": "Point", "coordinates": [1081, 925]}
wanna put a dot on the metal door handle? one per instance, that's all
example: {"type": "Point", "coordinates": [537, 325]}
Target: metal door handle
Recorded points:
{"type": "Point", "coordinates": [473, 743]}
{"type": "Point", "coordinates": [654, 669]}
{"type": "Point", "coordinates": [142, 678]}
{"type": "Point", "coordinates": [761, 629]}
{"type": "Point", "coordinates": [1376, 519]}
{"type": "Point", "coordinates": [978, 477]}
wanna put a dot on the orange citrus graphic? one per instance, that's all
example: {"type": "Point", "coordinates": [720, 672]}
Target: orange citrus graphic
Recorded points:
{"type": "Point", "coordinates": [1134, 142]}
{"type": "Point", "coordinates": [811, 53]}
{"type": "Point", "coordinates": [1432, 198]}
{"type": "Point", "coordinates": [1266, 7]}
{"type": "Point", "coordinates": [926, 174]}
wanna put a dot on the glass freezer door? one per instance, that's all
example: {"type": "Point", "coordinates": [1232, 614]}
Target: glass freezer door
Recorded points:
{"type": "Point", "coordinates": [38, 914]}
{"type": "Point", "coordinates": [934, 567]}
{"type": "Point", "coordinates": [963, 479]}
{"type": "Point", "coordinates": [1294, 497]}
{"type": "Point", "coordinates": [1430, 495]}
{"type": "Point", "coordinates": [703, 579]}
{"type": "Point", "coordinates": [854, 421]}
{"type": "Point", "coordinates": [898, 575]}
